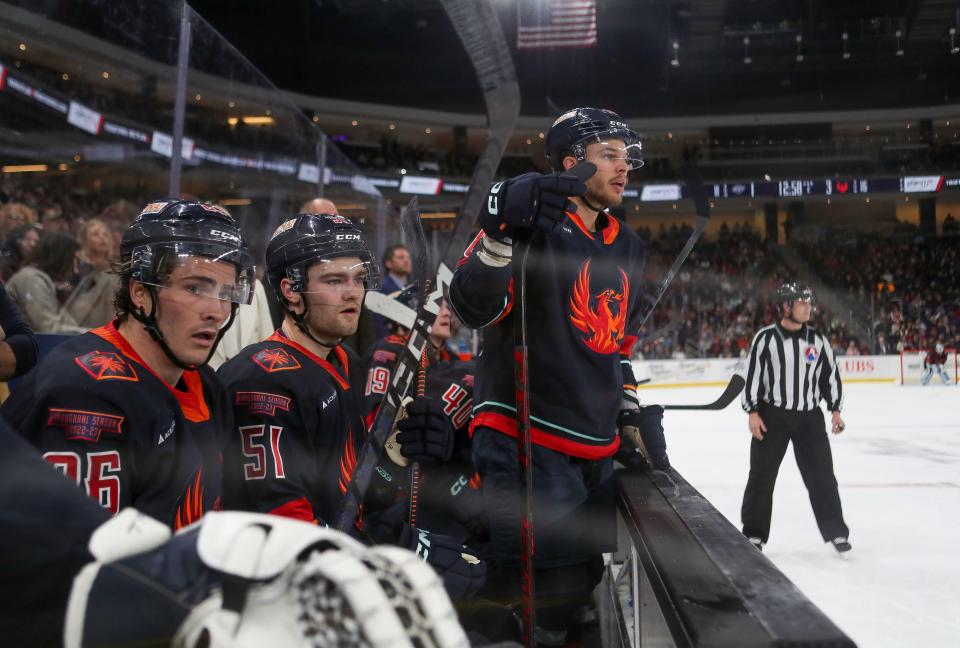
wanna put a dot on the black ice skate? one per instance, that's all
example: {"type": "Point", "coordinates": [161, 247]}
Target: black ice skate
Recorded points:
{"type": "Point", "coordinates": [757, 542]}
{"type": "Point", "coordinates": [841, 545]}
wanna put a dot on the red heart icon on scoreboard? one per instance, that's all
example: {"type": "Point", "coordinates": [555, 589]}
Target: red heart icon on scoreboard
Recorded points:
{"type": "Point", "coordinates": [842, 187]}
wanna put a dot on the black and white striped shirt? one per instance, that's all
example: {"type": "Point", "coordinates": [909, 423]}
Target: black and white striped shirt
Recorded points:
{"type": "Point", "coordinates": [792, 370]}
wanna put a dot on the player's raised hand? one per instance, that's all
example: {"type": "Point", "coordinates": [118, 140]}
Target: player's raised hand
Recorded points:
{"type": "Point", "coordinates": [756, 425]}
{"type": "Point", "coordinates": [533, 200]}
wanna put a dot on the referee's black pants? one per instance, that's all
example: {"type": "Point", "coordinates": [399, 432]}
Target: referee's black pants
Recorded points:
{"type": "Point", "coordinates": [814, 459]}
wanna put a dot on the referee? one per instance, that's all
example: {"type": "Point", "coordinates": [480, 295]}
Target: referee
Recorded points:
{"type": "Point", "coordinates": [791, 367]}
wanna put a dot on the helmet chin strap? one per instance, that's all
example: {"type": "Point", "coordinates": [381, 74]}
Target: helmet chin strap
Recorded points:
{"type": "Point", "coordinates": [300, 319]}
{"type": "Point", "coordinates": [151, 326]}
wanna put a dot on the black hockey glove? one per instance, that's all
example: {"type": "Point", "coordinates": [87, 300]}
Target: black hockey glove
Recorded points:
{"type": "Point", "coordinates": [426, 434]}
{"type": "Point", "coordinates": [461, 572]}
{"type": "Point", "coordinates": [643, 428]}
{"type": "Point", "coordinates": [532, 200]}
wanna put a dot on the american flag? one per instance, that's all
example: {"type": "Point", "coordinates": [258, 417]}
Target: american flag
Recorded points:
{"type": "Point", "coordinates": [545, 24]}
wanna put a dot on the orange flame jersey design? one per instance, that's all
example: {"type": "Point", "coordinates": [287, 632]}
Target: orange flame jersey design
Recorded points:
{"type": "Point", "coordinates": [191, 504]}
{"type": "Point", "coordinates": [604, 329]}
{"type": "Point", "coordinates": [348, 461]}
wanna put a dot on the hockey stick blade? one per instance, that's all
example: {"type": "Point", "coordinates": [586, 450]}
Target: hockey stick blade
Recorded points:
{"type": "Point", "coordinates": [734, 387]}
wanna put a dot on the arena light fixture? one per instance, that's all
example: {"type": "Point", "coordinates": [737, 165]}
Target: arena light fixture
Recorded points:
{"type": "Point", "coordinates": [23, 47]}
{"type": "Point", "coordinates": [799, 39]}
{"type": "Point", "coordinates": [23, 168]}
{"type": "Point", "coordinates": [746, 50]}
{"type": "Point", "coordinates": [899, 45]}
{"type": "Point", "coordinates": [846, 54]}
{"type": "Point", "coordinates": [257, 120]}
{"type": "Point", "coordinates": [953, 41]}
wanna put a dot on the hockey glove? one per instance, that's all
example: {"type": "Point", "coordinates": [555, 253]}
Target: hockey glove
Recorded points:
{"type": "Point", "coordinates": [644, 429]}
{"type": "Point", "coordinates": [462, 573]}
{"type": "Point", "coordinates": [426, 434]}
{"type": "Point", "coordinates": [532, 200]}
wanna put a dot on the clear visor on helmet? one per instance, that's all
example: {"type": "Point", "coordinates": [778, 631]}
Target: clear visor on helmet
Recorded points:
{"type": "Point", "coordinates": [196, 273]}
{"type": "Point", "coordinates": [612, 152]}
{"type": "Point", "coordinates": [335, 281]}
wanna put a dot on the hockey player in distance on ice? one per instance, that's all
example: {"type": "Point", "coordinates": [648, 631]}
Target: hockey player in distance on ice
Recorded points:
{"type": "Point", "coordinates": [935, 362]}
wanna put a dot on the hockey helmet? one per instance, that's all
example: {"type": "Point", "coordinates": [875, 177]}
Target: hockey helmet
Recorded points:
{"type": "Point", "coordinates": [939, 347]}
{"type": "Point", "coordinates": [168, 230]}
{"type": "Point", "coordinates": [575, 129]}
{"type": "Point", "coordinates": [305, 239]}
{"type": "Point", "coordinates": [794, 291]}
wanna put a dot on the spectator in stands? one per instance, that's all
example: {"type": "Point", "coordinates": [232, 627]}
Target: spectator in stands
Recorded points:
{"type": "Point", "coordinates": [398, 264]}
{"type": "Point", "coordinates": [18, 250]}
{"type": "Point", "coordinates": [949, 224]}
{"type": "Point", "coordinates": [34, 289]}
{"type": "Point", "coordinates": [91, 302]}
{"type": "Point", "coordinates": [54, 220]}
{"type": "Point", "coordinates": [14, 215]}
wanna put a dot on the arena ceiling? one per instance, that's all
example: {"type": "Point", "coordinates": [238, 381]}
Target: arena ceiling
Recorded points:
{"type": "Point", "coordinates": [404, 52]}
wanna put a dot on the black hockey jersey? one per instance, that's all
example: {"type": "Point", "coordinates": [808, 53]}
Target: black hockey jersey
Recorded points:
{"type": "Point", "coordinates": [100, 415]}
{"type": "Point", "coordinates": [297, 430]}
{"type": "Point", "coordinates": [583, 313]}
{"type": "Point", "coordinates": [449, 497]}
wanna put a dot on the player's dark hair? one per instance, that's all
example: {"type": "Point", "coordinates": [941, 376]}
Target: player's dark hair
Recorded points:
{"type": "Point", "coordinates": [122, 267]}
{"type": "Point", "coordinates": [55, 255]}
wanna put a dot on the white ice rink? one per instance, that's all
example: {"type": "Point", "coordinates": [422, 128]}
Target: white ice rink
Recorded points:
{"type": "Point", "coordinates": [898, 465]}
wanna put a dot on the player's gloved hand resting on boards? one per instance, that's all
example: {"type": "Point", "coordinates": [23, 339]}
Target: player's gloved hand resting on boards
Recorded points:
{"type": "Point", "coordinates": [643, 429]}
{"type": "Point", "coordinates": [426, 434]}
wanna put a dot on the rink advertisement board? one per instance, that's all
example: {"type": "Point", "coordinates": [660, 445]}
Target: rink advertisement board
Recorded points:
{"type": "Point", "coordinates": [716, 372]}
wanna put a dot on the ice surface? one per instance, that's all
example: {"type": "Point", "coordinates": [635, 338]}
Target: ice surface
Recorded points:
{"type": "Point", "coordinates": [898, 465]}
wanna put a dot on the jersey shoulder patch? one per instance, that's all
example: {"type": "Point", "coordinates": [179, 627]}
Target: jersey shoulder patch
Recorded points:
{"type": "Point", "coordinates": [106, 365]}
{"type": "Point", "coordinates": [276, 359]}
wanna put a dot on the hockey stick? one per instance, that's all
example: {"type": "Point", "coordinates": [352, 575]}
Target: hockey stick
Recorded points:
{"type": "Point", "coordinates": [521, 383]}
{"type": "Point", "coordinates": [694, 182]}
{"type": "Point", "coordinates": [479, 29]}
{"type": "Point", "coordinates": [734, 387]}
{"type": "Point", "coordinates": [403, 374]}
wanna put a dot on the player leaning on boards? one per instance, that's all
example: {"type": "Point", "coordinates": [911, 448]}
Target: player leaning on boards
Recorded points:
{"type": "Point", "coordinates": [298, 421]}
{"type": "Point", "coordinates": [582, 305]}
{"type": "Point", "coordinates": [130, 410]}
{"type": "Point", "coordinates": [791, 368]}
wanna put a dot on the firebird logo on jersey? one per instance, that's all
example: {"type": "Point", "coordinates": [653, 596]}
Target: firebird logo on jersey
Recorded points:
{"type": "Point", "coordinates": [190, 508]}
{"type": "Point", "coordinates": [603, 327]}
{"type": "Point", "coordinates": [106, 366]}
{"type": "Point", "coordinates": [272, 360]}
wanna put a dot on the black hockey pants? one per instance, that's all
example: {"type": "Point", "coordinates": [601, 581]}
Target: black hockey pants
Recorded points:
{"type": "Point", "coordinates": [814, 459]}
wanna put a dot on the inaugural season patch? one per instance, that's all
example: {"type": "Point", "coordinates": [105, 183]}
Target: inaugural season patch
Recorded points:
{"type": "Point", "coordinates": [278, 359]}
{"type": "Point", "coordinates": [81, 425]}
{"type": "Point", "coordinates": [106, 366]}
{"type": "Point", "coordinates": [810, 354]}
{"type": "Point", "coordinates": [262, 402]}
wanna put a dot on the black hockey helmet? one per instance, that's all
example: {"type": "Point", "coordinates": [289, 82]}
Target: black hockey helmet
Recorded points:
{"type": "Point", "coordinates": [301, 241]}
{"type": "Point", "coordinates": [169, 229]}
{"type": "Point", "coordinates": [575, 129]}
{"type": "Point", "coordinates": [168, 232]}
{"type": "Point", "coordinates": [792, 291]}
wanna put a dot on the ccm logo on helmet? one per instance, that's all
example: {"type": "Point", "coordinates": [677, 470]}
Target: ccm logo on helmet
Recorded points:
{"type": "Point", "coordinates": [617, 124]}
{"type": "Point", "coordinates": [347, 237]}
{"type": "Point", "coordinates": [225, 235]}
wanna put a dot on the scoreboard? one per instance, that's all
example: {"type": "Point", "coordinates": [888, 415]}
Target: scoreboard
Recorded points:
{"type": "Point", "coordinates": [801, 188]}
